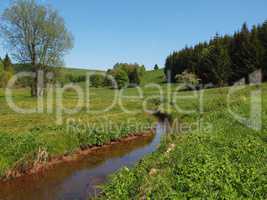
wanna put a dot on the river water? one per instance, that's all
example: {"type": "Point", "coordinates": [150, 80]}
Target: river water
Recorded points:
{"type": "Point", "coordinates": [80, 179]}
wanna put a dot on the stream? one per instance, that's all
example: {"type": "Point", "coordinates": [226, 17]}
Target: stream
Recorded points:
{"type": "Point", "coordinates": [80, 180]}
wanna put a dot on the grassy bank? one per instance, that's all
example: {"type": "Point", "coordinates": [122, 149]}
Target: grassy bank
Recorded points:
{"type": "Point", "coordinates": [26, 139]}
{"type": "Point", "coordinates": [224, 159]}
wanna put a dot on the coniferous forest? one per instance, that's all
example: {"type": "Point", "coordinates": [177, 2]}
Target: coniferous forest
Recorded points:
{"type": "Point", "coordinates": [224, 59]}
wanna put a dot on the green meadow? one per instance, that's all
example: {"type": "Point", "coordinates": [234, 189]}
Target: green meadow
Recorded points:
{"type": "Point", "coordinates": [206, 154]}
{"type": "Point", "coordinates": [223, 159]}
{"type": "Point", "coordinates": [24, 136]}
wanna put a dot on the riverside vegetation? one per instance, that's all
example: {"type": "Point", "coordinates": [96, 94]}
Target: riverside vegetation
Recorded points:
{"type": "Point", "coordinates": [24, 136]}
{"type": "Point", "coordinates": [226, 161]}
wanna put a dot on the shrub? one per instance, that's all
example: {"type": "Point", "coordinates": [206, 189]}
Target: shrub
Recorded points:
{"type": "Point", "coordinates": [97, 80]}
{"type": "Point", "coordinates": [5, 77]}
{"type": "Point", "coordinates": [121, 78]}
{"type": "Point", "coordinates": [133, 71]}
{"type": "Point", "coordinates": [189, 79]}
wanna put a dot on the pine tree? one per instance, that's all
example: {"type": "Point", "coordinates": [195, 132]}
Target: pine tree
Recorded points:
{"type": "Point", "coordinates": [263, 40]}
{"type": "Point", "coordinates": [219, 63]}
{"type": "Point", "coordinates": [222, 59]}
{"type": "Point", "coordinates": [7, 71]}
{"type": "Point", "coordinates": [256, 48]}
{"type": "Point", "coordinates": [242, 55]}
{"type": "Point", "coordinates": [7, 63]}
{"type": "Point", "coordinates": [1, 67]}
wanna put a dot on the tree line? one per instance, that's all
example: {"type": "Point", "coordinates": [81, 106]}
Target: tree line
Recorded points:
{"type": "Point", "coordinates": [224, 59]}
{"type": "Point", "coordinates": [126, 75]}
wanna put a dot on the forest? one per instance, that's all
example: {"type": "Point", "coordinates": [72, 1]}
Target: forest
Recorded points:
{"type": "Point", "coordinates": [223, 60]}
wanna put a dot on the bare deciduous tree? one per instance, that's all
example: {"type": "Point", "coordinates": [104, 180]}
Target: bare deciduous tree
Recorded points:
{"type": "Point", "coordinates": [35, 34]}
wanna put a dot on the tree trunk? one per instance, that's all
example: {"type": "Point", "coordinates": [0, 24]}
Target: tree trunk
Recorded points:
{"type": "Point", "coordinates": [34, 85]}
{"type": "Point", "coordinates": [37, 87]}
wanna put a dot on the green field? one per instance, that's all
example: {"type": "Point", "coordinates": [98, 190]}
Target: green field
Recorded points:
{"type": "Point", "coordinates": [155, 76]}
{"type": "Point", "coordinates": [222, 159]}
{"type": "Point", "coordinates": [226, 161]}
{"type": "Point", "coordinates": [24, 135]}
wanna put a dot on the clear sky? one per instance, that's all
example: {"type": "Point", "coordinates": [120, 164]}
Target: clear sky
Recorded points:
{"type": "Point", "coordinates": [146, 31]}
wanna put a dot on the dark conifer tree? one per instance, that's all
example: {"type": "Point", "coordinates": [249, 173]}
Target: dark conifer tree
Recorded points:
{"type": "Point", "coordinates": [246, 53]}
{"type": "Point", "coordinates": [7, 63]}
{"type": "Point", "coordinates": [218, 62]}
{"type": "Point", "coordinates": [263, 40]}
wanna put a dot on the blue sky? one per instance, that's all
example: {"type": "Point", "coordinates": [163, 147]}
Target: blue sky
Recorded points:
{"type": "Point", "coordinates": [146, 31]}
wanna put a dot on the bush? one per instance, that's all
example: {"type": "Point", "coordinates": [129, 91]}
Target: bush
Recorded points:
{"type": "Point", "coordinates": [97, 80]}
{"type": "Point", "coordinates": [121, 78]}
{"type": "Point", "coordinates": [189, 79]}
{"type": "Point", "coordinates": [5, 77]}
{"type": "Point", "coordinates": [133, 71]}
{"type": "Point", "coordinates": [74, 78]}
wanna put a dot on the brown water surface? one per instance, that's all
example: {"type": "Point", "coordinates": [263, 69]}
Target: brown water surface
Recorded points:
{"type": "Point", "coordinates": [79, 180]}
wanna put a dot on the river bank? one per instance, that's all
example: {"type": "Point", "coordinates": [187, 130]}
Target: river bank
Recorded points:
{"type": "Point", "coordinates": [46, 163]}
{"type": "Point", "coordinates": [80, 178]}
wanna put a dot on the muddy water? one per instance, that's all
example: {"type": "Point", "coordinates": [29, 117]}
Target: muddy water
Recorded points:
{"type": "Point", "coordinates": [80, 179]}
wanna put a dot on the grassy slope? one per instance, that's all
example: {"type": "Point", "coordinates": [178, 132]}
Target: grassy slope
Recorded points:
{"type": "Point", "coordinates": [228, 162]}
{"type": "Point", "coordinates": [154, 76]}
{"type": "Point", "coordinates": [75, 72]}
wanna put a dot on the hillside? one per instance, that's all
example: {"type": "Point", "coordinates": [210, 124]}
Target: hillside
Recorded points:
{"type": "Point", "coordinates": [153, 76]}
{"type": "Point", "coordinates": [66, 70]}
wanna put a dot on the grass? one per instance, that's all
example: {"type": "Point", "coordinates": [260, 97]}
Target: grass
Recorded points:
{"type": "Point", "coordinates": [23, 136]}
{"type": "Point", "coordinates": [222, 160]}
{"type": "Point", "coordinates": [154, 76]}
